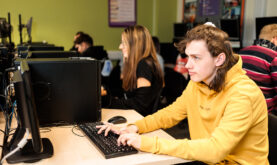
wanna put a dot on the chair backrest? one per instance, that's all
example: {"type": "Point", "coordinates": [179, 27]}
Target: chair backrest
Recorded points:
{"type": "Point", "coordinates": [272, 136]}
{"type": "Point", "coordinates": [156, 102]}
{"type": "Point", "coordinates": [175, 83]}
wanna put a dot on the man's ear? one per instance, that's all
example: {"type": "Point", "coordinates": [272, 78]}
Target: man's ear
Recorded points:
{"type": "Point", "coordinates": [220, 59]}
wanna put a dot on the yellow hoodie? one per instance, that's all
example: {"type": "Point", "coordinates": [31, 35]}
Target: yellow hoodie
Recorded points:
{"type": "Point", "coordinates": [229, 127]}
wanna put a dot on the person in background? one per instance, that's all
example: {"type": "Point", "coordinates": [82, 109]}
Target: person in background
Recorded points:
{"type": "Point", "coordinates": [142, 77]}
{"type": "Point", "coordinates": [226, 110]}
{"type": "Point", "coordinates": [180, 66]}
{"type": "Point", "coordinates": [84, 44]}
{"type": "Point", "coordinates": [260, 64]}
{"type": "Point", "coordinates": [157, 47]}
{"type": "Point", "coordinates": [79, 33]}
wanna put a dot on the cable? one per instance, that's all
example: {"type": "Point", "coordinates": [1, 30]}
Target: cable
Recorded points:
{"type": "Point", "coordinates": [7, 89]}
{"type": "Point", "coordinates": [11, 131]}
{"type": "Point", "coordinates": [76, 127]}
{"type": "Point", "coordinates": [20, 145]}
{"type": "Point", "coordinates": [11, 115]}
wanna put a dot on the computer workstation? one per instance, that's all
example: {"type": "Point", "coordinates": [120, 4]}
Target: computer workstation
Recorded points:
{"type": "Point", "coordinates": [70, 148]}
{"type": "Point", "coordinates": [56, 107]}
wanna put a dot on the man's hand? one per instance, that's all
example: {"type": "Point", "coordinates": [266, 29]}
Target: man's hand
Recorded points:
{"type": "Point", "coordinates": [130, 139]}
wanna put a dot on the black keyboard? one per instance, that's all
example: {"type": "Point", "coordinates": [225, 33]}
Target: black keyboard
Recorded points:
{"type": "Point", "coordinates": [107, 145]}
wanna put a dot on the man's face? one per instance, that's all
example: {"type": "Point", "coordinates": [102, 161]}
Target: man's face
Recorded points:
{"type": "Point", "coordinates": [201, 65]}
{"type": "Point", "coordinates": [81, 47]}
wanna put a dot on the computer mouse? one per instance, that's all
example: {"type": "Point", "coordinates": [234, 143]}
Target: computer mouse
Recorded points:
{"type": "Point", "coordinates": [117, 120]}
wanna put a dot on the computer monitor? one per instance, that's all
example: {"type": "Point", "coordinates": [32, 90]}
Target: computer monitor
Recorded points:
{"type": "Point", "coordinates": [37, 148]}
{"type": "Point", "coordinates": [52, 54]}
{"type": "Point", "coordinates": [231, 27]}
{"type": "Point", "coordinates": [180, 29]}
{"type": "Point", "coordinates": [169, 52]}
{"type": "Point", "coordinates": [45, 48]}
{"type": "Point", "coordinates": [262, 21]}
{"type": "Point", "coordinates": [66, 91]}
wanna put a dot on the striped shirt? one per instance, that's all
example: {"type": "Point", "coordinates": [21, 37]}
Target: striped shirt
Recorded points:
{"type": "Point", "coordinates": [260, 63]}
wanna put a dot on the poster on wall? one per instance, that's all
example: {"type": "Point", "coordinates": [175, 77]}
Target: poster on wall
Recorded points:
{"type": "Point", "coordinates": [190, 11]}
{"type": "Point", "coordinates": [231, 9]}
{"type": "Point", "coordinates": [122, 13]}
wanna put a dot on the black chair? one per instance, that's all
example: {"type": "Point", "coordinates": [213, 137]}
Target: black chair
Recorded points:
{"type": "Point", "coordinates": [272, 136]}
{"type": "Point", "coordinates": [175, 83]}
{"type": "Point", "coordinates": [157, 102]}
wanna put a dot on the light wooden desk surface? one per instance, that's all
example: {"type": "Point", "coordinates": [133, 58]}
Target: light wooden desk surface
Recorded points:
{"type": "Point", "coordinates": [71, 149]}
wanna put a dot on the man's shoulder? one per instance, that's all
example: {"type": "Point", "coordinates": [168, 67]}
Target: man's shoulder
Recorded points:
{"type": "Point", "coordinates": [257, 48]}
{"type": "Point", "coordinates": [258, 52]}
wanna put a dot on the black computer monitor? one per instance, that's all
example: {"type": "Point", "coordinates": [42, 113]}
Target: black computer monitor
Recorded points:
{"type": "Point", "coordinates": [52, 54]}
{"type": "Point", "coordinates": [37, 148]}
{"type": "Point", "coordinates": [180, 29]}
{"type": "Point", "coordinates": [169, 52]}
{"type": "Point", "coordinates": [262, 21]}
{"type": "Point", "coordinates": [231, 27]}
{"type": "Point", "coordinates": [45, 48]}
{"type": "Point", "coordinates": [66, 91]}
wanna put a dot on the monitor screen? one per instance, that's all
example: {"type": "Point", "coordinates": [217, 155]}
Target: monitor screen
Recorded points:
{"type": "Point", "coordinates": [66, 91]}
{"type": "Point", "coordinates": [231, 27]}
{"type": "Point", "coordinates": [46, 48]}
{"type": "Point", "coordinates": [52, 54]}
{"type": "Point", "coordinates": [180, 29]}
{"type": "Point", "coordinates": [262, 21]}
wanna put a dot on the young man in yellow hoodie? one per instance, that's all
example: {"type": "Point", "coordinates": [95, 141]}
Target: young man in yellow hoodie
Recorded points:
{"type": "Point", "coordinates": [226, 110]}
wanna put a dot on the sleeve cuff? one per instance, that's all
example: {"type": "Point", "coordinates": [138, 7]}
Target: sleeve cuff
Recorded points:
{"type": "Point", "coordinates": [148, 143]}
{"type": "Point", "coordinates": [139, 124]}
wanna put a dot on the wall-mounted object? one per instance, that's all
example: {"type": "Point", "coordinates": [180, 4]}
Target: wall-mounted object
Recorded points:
{"type": "Point", "coordinates": [122, 13]}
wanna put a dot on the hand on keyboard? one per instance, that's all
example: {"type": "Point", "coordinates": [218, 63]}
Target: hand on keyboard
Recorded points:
{"type": "Point", "coordinates": [128, 134]}
{"type": "Point", "coordinates": [107, 127]}
{"type": "Point", "coordinates": [108, 145]}
{"type": "Point", "coordinates": [130, 139]}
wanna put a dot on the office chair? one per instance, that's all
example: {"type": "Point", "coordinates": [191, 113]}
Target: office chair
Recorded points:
{"type": "Point", "coordinates": [272, 136]}
{"type": "Point", "coordinates": [175, 83]}
{"type": "Point", "coordinates": [157, 102]}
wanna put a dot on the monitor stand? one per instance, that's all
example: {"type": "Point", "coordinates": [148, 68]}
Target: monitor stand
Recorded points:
{"type": "Point", "coordinates": [27, 154]}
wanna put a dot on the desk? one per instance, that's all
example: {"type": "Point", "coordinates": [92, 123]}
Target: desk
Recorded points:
{"type": "Point", "coordinates": [70, 149]}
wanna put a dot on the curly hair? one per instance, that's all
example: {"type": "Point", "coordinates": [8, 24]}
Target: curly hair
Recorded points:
{"type": "Point", "coordinates": [217, 42]}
